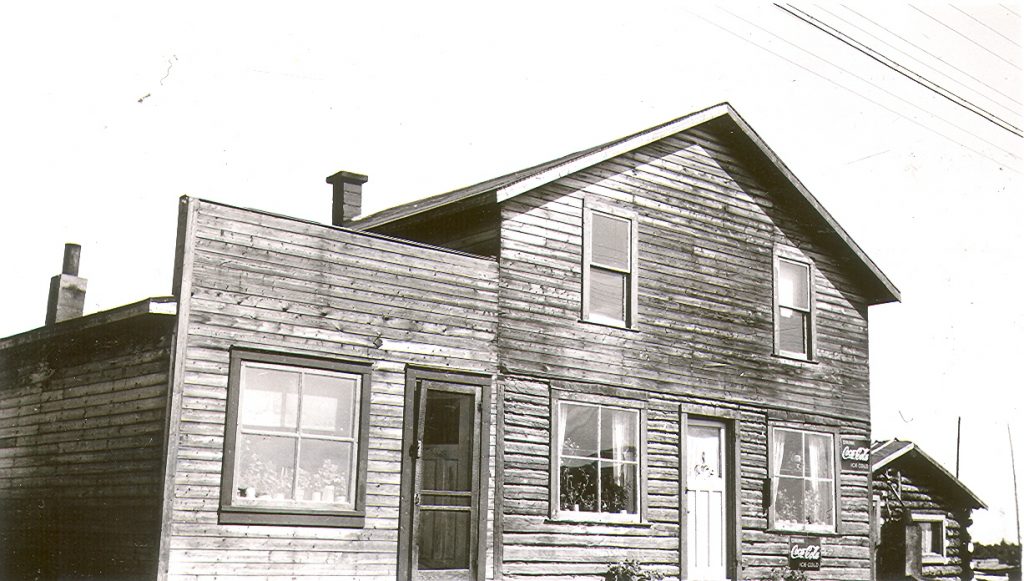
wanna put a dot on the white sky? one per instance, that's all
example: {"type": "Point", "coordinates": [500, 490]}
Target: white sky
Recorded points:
{"type": "Point", "coordinates": [108, 114]}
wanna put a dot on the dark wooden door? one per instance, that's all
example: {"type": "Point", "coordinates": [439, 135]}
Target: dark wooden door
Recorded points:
{"type": "Point", "coordinates": [445, 504]}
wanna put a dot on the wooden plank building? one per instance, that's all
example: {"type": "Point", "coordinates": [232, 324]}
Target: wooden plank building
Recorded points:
{"type": "Point", "coordinates": [654, 349]}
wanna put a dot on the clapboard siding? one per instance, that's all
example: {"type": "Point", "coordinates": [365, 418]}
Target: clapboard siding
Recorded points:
{"type": "Point", "coordinates": [81, 429]}
{"type": "Point", "coordinates": [290, 286]}
{"type": "Point", "coordinates": [704, 335]}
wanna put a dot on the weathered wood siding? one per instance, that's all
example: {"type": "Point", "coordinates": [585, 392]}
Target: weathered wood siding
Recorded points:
{"type": "Point", "coordinates": [255, 280]}
{"type": "Point", "coordinates": [704, 334]}
{"type": "Point", "coordinates": [919, 496]}
{"type": "Point", "coordinates": [81, 429]}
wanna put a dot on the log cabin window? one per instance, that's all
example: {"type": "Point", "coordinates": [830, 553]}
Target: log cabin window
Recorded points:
{"type": "Point", "coordinates": [803, 480]}
{"type": "Point", "coordinates": [295, 445]}
{"type": "Point", "coordinates": [597, 456]}
{"type": "Point", "coordinates": [610, 265]}
{"type": "Point", "coordinates": [933, 536]}
{"type": "Point", "coordinates": [794, 307]}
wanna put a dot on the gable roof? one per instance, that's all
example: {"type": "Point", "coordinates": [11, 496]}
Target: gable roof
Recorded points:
{"type": "Point", "coordinates": [892, 452]}
{"type": "Point", "coordinates": [499, 189]}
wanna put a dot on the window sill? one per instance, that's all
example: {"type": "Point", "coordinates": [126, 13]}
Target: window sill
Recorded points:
{"type": "Point", "coordinates": [794, 358]}
{"type": "Point", "coordinates": [630, 328]}
{"type": "Point", "coordinates": [250, 516]}
{"type": "Point", "coordinates": [591, 520]}
{"type": "Point", "coordinates": [933, 559]}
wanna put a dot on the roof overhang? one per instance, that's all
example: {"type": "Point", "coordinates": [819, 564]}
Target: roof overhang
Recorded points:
{"type": "Point", "coordinates": [885, 455]}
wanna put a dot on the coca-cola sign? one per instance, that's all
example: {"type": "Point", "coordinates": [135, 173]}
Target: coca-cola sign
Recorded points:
{"type": "Point", "coordinates": [856, 454]}
{"type": "Point", "coordinates": [805, 554]}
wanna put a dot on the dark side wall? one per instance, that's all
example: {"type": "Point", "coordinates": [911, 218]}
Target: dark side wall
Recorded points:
{"type": "Point", "coordinates": [81, 424]}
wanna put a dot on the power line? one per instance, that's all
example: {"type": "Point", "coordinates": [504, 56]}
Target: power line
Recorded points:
{"type": "Point", "coordinates": [936, 57]}
{"type": "Point", "coordinates": [920, 62]}
{"type": "Point", "coordinates": [902, 70]}
{"type": "Point", "coordinates": [1007, 8]}
{"type": "Point", "coordinates": [848, 89]}
{"type": "Point", "coordinates": [880, 88]}
{"type": "Point", "coordinates": [969, 39]}
{"type": "Point", "coordinates": [1010, 40]}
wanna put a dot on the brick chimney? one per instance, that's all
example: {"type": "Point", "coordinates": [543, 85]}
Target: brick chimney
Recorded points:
{"type": "Point", "coordinates": [67, 290]}
{"type": "Point", "coordinates": [348, 196]}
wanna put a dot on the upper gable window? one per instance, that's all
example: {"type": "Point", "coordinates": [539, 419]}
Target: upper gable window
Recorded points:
{"type": "Point", "coordinates": [794, 307]}
{"type": "Point", "coordinates": [609, 269]}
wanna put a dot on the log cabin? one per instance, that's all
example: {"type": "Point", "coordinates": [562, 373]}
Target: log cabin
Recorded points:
{"type": "Point", "coordinates": [921, 515]}
{"type": "Point", "coordinates": [652, 350]}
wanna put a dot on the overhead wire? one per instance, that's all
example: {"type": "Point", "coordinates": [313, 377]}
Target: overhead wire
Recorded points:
{"type": "Point", "coordinates": [934, 56]}
{"type": "Point", "coordinates": [1007, 38]}
{"type": "Point", "coordinates": [855, 92]}
{"type": "Point", "coordinates": [1012, 110]}
{"type": "Point", "coordinates": [967, 38]}
{"type": "Point", "coordinates": [898, 68]}
{"type": "Point", "coordinates": [1007, 8]}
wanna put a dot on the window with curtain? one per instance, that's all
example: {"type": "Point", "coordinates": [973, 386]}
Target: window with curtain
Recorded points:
{"type": "Point", "coordinates": [598, 459]}
{"type": "Point", "coordinates": [609, 277]}
{"type": "Point", "coordinates": [803, 469]}
{"type": "Point", "coordinates": [294, 436]}
{"type": "Point", "coordinates": [793, 308]}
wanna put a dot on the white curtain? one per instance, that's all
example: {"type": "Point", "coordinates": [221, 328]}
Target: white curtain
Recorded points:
{"type": "Point", "coordinates": [563, 412]}
{"type": "Point", "coordinates": [817, 456]}
{"type": "Point", "coordinates": [778, 453]}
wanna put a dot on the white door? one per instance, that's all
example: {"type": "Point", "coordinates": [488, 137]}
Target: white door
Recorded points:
{"type": "Point", "coordinates": [706, 500]}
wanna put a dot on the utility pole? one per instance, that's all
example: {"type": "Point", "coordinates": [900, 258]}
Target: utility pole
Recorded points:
{"type": "Point", "coordinates": [958, 418]}
{"type": "Point", "coordinates": [1013, 467]}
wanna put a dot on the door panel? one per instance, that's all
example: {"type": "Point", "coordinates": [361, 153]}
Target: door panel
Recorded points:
{"type": "Point", "coordinates": [446, 499]}
{"type": "Point", "coordinates": [707, 500]}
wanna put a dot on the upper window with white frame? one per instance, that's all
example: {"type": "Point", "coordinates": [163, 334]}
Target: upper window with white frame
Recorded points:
{"type": "Point", "coordinates": [803, 491]}
{"type": "Point", "coordinates": [598, 459]}
{"type": "Point", "coordinates": [794, 307]}
{"type": "Point", "coordinates": [609, 265]}
{"type": "Point", "coordinates": [295, 440]}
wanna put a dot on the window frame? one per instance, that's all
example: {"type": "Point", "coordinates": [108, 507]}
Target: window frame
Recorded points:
{"type": "Point", "coordinates": [631, 299]}
{"type": "Point", "coordinates": [786, 254]}
{"type": "Point", "coordinates": [554, 485]}
{"type": "Point", "coordinates": [928, 556]}
{"type": "Point", "coordinates": [773, 522]}
{"type": "Point", "coordinates": [230, 513]}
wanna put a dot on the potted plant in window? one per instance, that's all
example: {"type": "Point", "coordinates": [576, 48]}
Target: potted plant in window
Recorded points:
{"type": "Point", "coordinates": [631, 570]}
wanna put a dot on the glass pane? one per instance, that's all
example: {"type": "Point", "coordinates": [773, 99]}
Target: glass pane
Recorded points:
{"type": "Point", "coordinates": [444, 539]}
{"type": "Point", "coordinates": [789, 460]}
{"type": "Point", "coordinates": [578, 485]}
{"type": "Point", "coordinates": [793, 285]}
{"type": "Point", "coordinates": [447, 441]}
{"type": "Point", "coordinates": [819, 455]}
{"type": "Point", "coordinates": [329, 404]}
{"type": "Point", "coordinates": [618, 434]}
{"type": "Point", "coordinates": [792, 331]}
{"type": "Point", "coordinates": [926, 537]}
{"type": "Point", "coordinates": [818, 502]}
{"type": "Point", "coordinates": [610, 241]}
{"type": "Point", "coordinates": [579, 430]}
{"type": "Point", "coordinates": [618, 488]}
{"type": "Point", "coordinates": [789, 500]}
{"type": "Point", "coordinates": [704, 451]}
{"type": "Point", "coordinates": [270, 398]}
{"type": "Point", "coordinates": [265, 467]}
{"type": "Point", "coordinates": [326, 473]}
{"type": "Point", "coordinates": [607, 295]}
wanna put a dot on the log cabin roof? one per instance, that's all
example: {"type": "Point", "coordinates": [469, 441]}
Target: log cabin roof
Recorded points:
{"type": "Point", "coordinates": [722, 118]}
{"type": "Point", "coordinates": [897, 453]}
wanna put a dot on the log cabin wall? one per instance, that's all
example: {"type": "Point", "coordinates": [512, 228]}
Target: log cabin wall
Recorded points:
{"type": "Point", "coordinates": [253, 280]}
{"type": "Point", "coordinates": [81, 428]}
{"type": "Point", "coordinates": [708, 226]}
{"type": "Point", "coordinates": [922, 498]}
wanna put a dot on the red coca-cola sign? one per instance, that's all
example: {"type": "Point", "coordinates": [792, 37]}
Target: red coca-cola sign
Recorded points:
{"type": "Point", "coordinates": [856, 454]}
{"type": "Point", "coordinates": [805, 554]}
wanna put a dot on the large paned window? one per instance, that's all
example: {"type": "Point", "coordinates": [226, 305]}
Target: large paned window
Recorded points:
{"type": "Point", "coordinates": [598, 460]}
{"type": "Point", "coordinates": [803, 466]}
{"type": "Point", "coordinates": [610, 264]}
{"type": "Point", "coordinates": [295, 440]}
{"type": "Point", "coordinates": [794, 308]}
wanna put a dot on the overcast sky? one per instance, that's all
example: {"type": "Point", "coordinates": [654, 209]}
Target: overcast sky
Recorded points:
{"type": "Point", "coordinates": [109, 114]}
